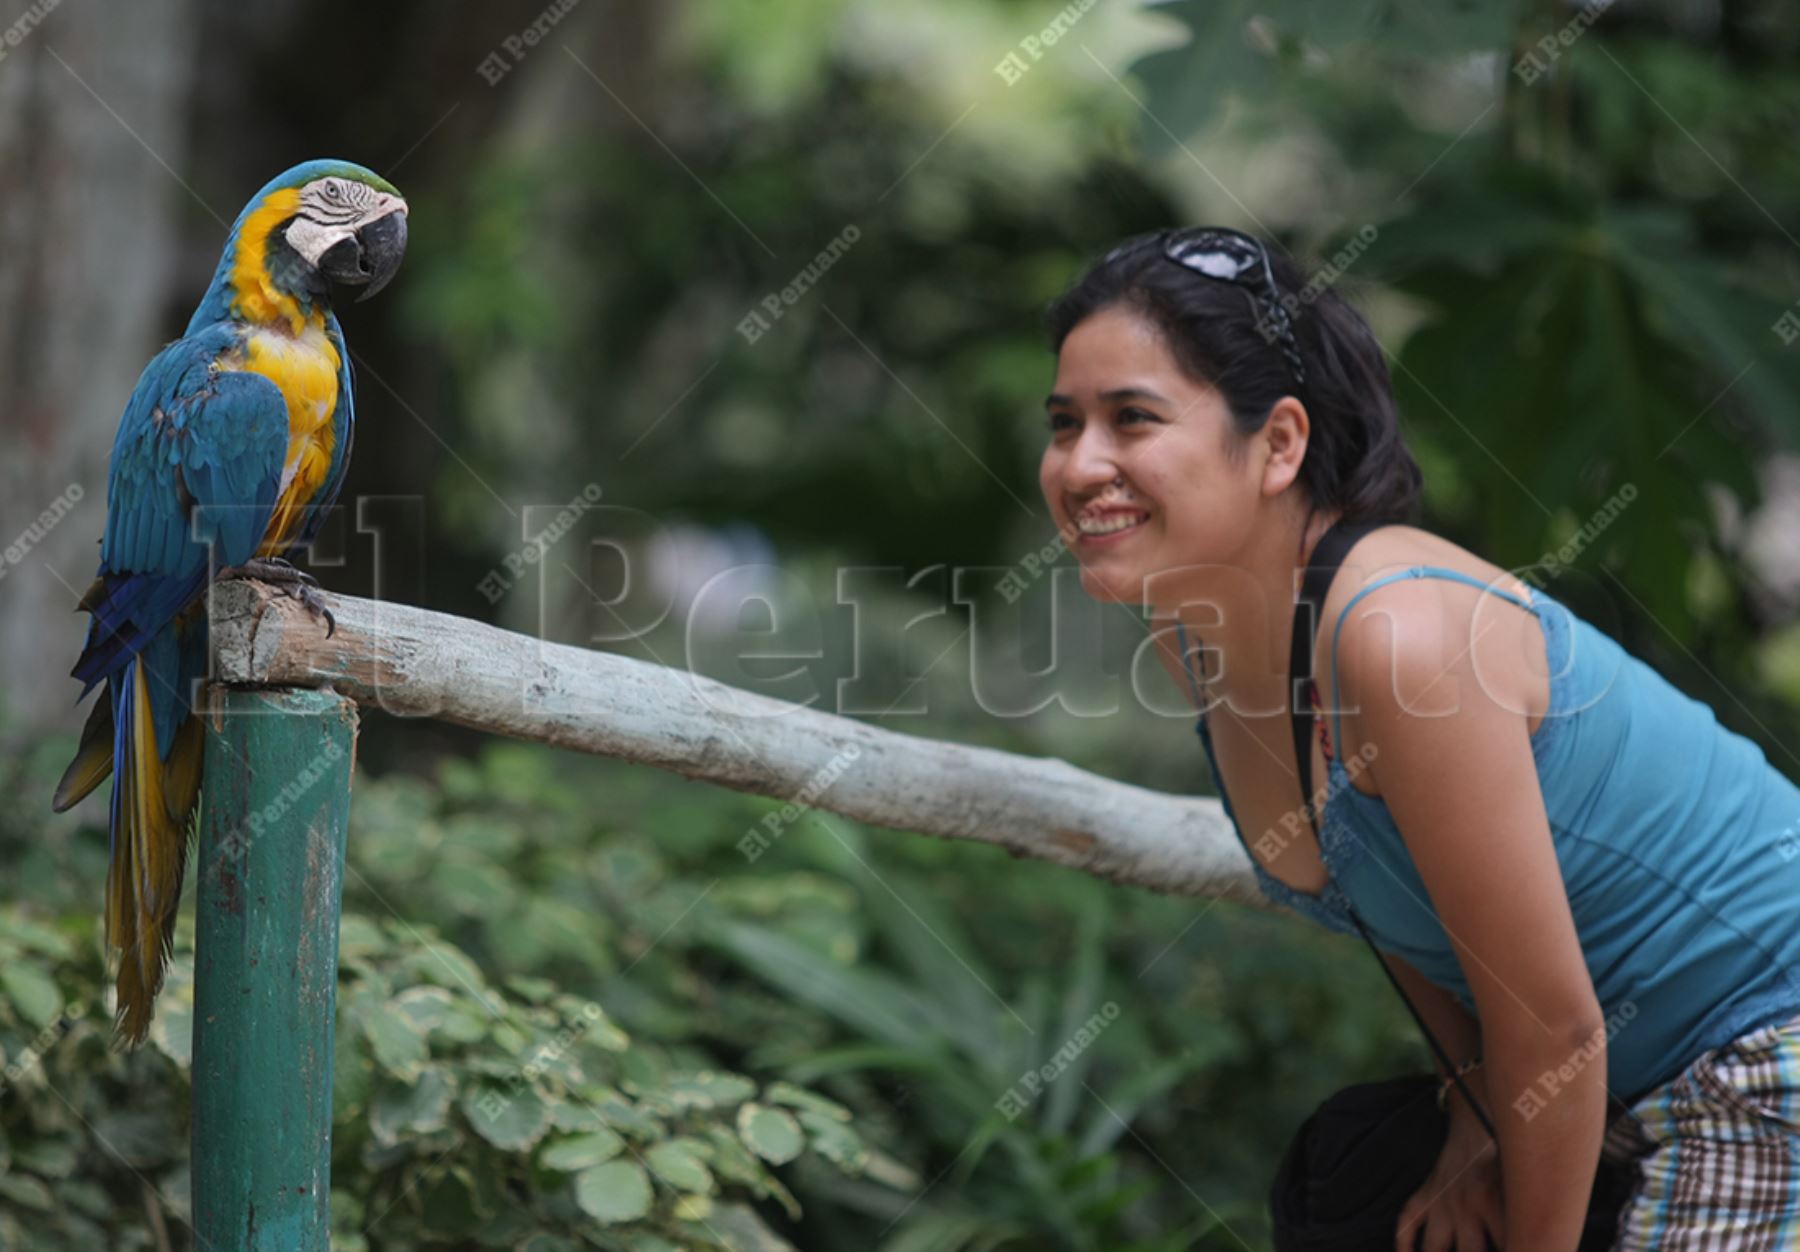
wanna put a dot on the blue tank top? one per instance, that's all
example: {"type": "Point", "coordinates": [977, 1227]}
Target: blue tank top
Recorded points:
{"type": "Point", "coordinates": [1679, 846]}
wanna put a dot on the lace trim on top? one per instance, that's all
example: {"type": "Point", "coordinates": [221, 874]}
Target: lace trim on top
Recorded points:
{"type": "Point", "coordinates": [1339, 842]}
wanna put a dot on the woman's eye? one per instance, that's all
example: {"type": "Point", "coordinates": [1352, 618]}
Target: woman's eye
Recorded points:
{"type": "Point", "coordinates": [1135, 415]}
{"type": "Point", "coordinates": [1059, 422]}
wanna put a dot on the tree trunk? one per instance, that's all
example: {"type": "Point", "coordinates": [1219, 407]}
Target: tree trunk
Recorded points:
{"type": "Point", "coordinates": [89, 226]}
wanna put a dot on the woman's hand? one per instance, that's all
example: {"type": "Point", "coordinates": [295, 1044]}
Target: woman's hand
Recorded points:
{"type": "Point", "coordinates": [1458, 1209]}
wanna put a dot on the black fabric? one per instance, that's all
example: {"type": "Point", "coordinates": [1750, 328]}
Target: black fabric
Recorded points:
{"type": "Point", "coordinates": [1363, 1153]}
{"type": "Point", "coordinates": [1327, 555]}
{"type": "Point", "coordinates": [1354, 1163]}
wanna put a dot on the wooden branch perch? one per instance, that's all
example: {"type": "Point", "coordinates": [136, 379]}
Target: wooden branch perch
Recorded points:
{"type": "Point", "coordinates": [415, 663]}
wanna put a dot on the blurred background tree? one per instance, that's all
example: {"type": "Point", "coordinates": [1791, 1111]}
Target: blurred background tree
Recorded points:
{"type": "Point", "coordinates": [1571, 226]}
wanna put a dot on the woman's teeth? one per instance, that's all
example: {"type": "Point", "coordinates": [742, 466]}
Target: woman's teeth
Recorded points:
{"type": "Point", "coordinates": [1109, 523]}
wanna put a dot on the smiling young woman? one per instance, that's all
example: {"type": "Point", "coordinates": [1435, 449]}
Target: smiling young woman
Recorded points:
{"type": "Point", "coordinates": [1585, 885]}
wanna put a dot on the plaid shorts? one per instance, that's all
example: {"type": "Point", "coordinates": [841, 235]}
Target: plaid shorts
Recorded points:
{"type": "Point", "coordinates": [1717, 1150]}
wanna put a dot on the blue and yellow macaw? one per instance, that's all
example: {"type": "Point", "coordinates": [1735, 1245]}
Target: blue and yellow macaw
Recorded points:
{"type": "Point", "coordinates": [231, 450]}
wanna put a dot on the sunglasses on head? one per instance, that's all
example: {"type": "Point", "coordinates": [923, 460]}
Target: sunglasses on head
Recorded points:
{"type": "Point", "coordinates": [1233, 257]}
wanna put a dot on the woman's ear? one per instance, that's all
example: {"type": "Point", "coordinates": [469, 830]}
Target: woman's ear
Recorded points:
{"type": "Point", "coordinates": [1283, 439]}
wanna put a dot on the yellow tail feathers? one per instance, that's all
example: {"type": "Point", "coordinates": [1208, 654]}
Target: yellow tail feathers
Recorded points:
{"type": "Point", "coordinates": [154, 810]}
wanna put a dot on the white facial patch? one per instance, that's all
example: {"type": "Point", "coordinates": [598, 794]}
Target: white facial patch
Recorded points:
{"type": "Point", "coordinates": [334, 209]}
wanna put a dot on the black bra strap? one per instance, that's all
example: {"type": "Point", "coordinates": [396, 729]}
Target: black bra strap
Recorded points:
{"type": "Point", "coordinates": [1327, 555]}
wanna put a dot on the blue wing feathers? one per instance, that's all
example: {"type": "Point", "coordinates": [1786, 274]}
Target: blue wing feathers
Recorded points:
{"type": "Point", "coordinates": [168, 687]}
{"type": "Point", "coordinates": [194, 474]}
{"type": "Point", "coordinates": [197, 469]}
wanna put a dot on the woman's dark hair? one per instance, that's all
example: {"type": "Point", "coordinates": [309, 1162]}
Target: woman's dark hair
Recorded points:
{"type": "Point", "coordinates": [1356, 460]}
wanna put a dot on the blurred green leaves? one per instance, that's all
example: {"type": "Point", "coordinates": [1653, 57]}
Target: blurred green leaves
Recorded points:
{"type": "Point", "coordinates": [1584, 211]}
{"type": "Point", "coordinates": [1617, 351]}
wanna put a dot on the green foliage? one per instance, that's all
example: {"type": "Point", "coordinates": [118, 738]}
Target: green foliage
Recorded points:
{"type": "Point", "coordinates": [1578, 274]}
{"type": "Point", "coordinates": [1587, 214]}
{"type": "Point", "coordinates": [813, 1048]}
{"type": "Point", "coordinates": [526, 1111]}
{"type": "Point", "coordinates": [910, 1009]}
{"type": "Point", "coordinates": [90, 1142]}
{"type": "Point", "coordinates": [468, 1110]}
{"type": "Point", "coordinates": [465, 1116]}
{"type": "Point", "coordinates": [1628, 322]}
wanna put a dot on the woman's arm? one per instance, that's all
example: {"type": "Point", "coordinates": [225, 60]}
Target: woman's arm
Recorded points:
{"type": "Point", "coordinates": [1461, 1199]}
{"type": "Point", "coordinates": [1455, 768]}
{"type": "Point", "coordinates": [1457, 1032]}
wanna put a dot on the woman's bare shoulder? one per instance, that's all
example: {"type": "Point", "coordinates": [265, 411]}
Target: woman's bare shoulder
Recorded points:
{"type": "Point", "coordinates": [1392, 548]}
{"type": "Point", "coordinates": [1411, 634]}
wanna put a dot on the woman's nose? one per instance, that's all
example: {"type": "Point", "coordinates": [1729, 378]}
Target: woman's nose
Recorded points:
{"type": "Point", "coordinates": [1091, 463]}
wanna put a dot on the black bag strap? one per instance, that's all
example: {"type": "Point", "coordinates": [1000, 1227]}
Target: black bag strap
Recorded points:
{"type": "Point", "coordinates": [1322, 566]}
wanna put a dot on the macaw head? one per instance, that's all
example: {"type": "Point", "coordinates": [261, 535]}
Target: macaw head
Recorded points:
{"type": "Point", "coordinates": [325, 224]}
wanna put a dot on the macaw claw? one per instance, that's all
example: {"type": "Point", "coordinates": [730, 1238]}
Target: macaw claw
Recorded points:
{"type": "Point", "coordinates": [273, 569]}
{"type": "Point", "coordinates": [295, 583]}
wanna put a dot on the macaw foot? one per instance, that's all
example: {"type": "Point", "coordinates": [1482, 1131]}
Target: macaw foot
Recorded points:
{"type": "Point", "coordinates": [295, 583]}
{"type": "Point", "coordinates": [271, 569]}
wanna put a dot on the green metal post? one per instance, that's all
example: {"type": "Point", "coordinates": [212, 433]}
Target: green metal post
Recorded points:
{"type": "Point", "coordinates": [275, 806]}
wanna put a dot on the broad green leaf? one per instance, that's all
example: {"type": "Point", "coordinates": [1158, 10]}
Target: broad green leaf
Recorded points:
{"type": "Point", "coordinates": [510, 1116]}
{"type": "Point", "coordinates": [469, 885]}
{"type": "Point", "coordinates": [708, 1090]}
{"type": "Point", "coordinates": [693, 1207]}
{"type": "Point", "coordinates": [464, 1021]}
{"type": "Point", "coordinates": [1268, 52]}
{"type": "Point", "coordinates": [771, 1133]}
{"type": "Point", "coordinates": [537, 990]}
{"type": "Point", "coordinates": [603, 1106]}
{"type": "Point", "coordinates": [679, 1163]}
{"type": "Point", "coordinates": [509, 1037]}
{"type": "Point", "coordinates": [732, 1161]}
{"type": "Point", "coordinates": [835, 1141]}
{"type": "Point", "coordinates": [172, 1031]}
{"type": "Point", "coordinates": [425, 1007]}
{"type": "Point", "coordinates": [583, 1151]}
{"type": "Point", "coordinates": [618, 1191]}
{"type": "Point", "coordinates": [448, 966]}
{"type": "Point", "coordinates": [885, 1170]}
{"type": "Point", "coordinates": [358, 936]}
{"type": "Point", "coordinates": [422, 1107]}
{"type": "Point", "coordinates": [21, 1189]}
{"type": "Point", "coordinates": [49, 1159]}
{"type": "Point", "coordinates": [32, 991]}
{"type": "Point", "coordinates": [645, 1241]}
{"type": "Point", "coordinates": [29, 934]}
{"type": "Point", "coordinates": [352, 1071]}
{"type": "Point", "coordinates": [396, 1043]}
{"type": "Point", "coordinates": [800, 1098]}
{"type": "Point", "coordinates": [743, 1231]}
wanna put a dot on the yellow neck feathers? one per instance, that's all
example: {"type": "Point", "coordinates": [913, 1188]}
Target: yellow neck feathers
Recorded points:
{"type": "Point", "coordinates": [258, 300]}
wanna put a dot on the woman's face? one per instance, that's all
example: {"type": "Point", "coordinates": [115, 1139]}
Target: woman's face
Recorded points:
{"type": "Point", "coordinates": [1136, 472]}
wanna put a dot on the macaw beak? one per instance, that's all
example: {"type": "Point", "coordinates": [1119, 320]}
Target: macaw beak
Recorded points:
{"type": "Point", "coordinates": [370, 258]}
